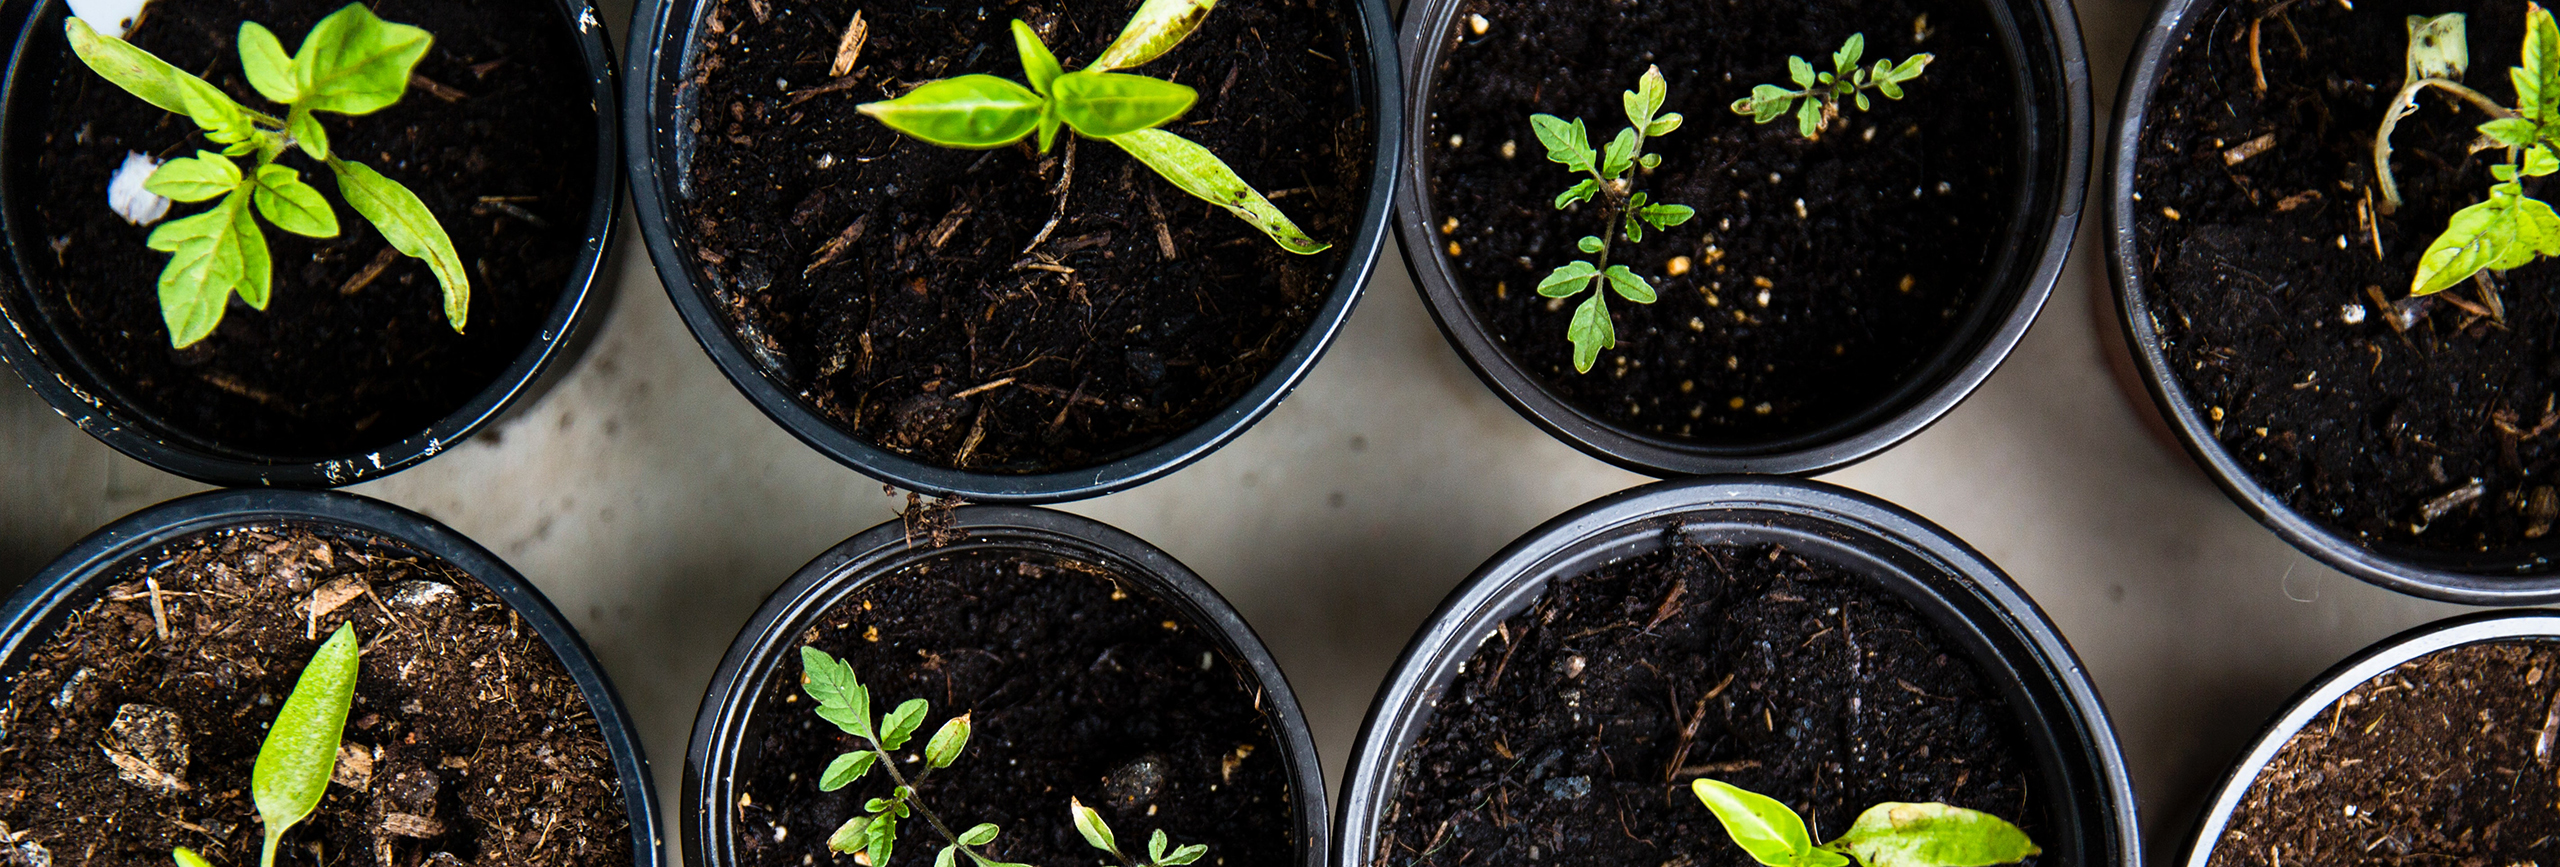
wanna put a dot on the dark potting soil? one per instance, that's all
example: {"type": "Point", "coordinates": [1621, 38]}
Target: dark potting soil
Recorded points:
{"type": "Point", "coordinates": [1817, 275]}
{"type": "Point", "coordinates": [1082, 686]}
{"type": "Point", "coordinates": [2433, 762]}
{"type": "Point", "coordinates": [2265, 263]}
{"type": "Point", "coordinates": [337, 362]}
{"type": "Point", "coordinates": [466, 738]}
{"type": "Point", "coordinates": [1574, 733]}
{"type": "Point", "coordinates": [896, 285]}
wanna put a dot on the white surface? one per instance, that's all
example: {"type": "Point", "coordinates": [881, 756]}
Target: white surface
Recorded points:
{"type": "Point", "coordinates": [657, 508]}
{"type": "Point", "coordinates": [126, 195]}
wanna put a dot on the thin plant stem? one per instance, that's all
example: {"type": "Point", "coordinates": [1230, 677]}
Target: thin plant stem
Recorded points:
{"type": "Point", "coordinates": [2401, 106]}
{"type": "Point", "coordinates": [915, 799]}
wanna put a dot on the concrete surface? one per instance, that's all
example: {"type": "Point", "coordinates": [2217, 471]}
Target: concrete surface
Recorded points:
{"type": "Point", "coordinates": [657, 508]}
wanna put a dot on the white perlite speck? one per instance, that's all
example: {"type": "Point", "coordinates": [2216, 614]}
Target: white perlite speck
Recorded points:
{"type": "Point", "coordinates": [138, 206]}
{"type": "Point", "coordinates": [109, 17]}
{"type": "Point", "coordinates": [2351, 312]}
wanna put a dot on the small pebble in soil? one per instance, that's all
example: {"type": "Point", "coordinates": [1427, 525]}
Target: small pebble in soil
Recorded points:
{"type": "Point", "coordinates": [1763, 409]}
{"type": "Point", "coordinates": [1800, 212]}
{"type": "Point", "coordinates": [1907, 282]}
{"type": "Point", "coordinates": [1510, 149]}
{"type": "Point", "coordinates": [1449, 226]}
{"type": "Point", "coordinates": [1478, 24]}
{"type": "Point", "coordinates": [1457, 141]}
{"type": "Point", "coordinates": [1945, 188]}
{"type": "Point", "coordinates": [2169, 212]}
{"type": "Point", "coordinates": [1453, 248]}
{"type": "Point", "coordinates": [1568, 789]}
{"type": "Point", "coordinates": [1677, 266]}
{"type": "Point", "coordinates": [1697, 324]}
{"type": "Point", "coordinates": [2351, 313]}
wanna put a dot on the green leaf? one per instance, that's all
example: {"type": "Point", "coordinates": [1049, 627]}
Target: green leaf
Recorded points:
{"type": "Point", "coordinates": [256, 274]}
{"type": "Point", "coordinates": [292, 205]}
{"type": "Point", "coordinates": [1567, 279]}
{"type": "Point", "coordinates": [2438, 48]}
{"type": "Point", "coordinates": [1105, 104]}
{"type": "Point", "coordinates": [137, 71]}
{"type": "Point", "coordinates": [1912, 66]}
{"type": "Point", "coordinates": [1767, 830]}
{"type": "Point", "coordinates": [1184, 855]}
{"type": "Point", "coordinates": [1634, 229]}
{"type": "Point", "coordinates": [947, 742]}
{"type": "Point", "coordinates": [883, 835]}
{"type": "Point", "coordinates": [1621, 155]}
{"type": "Point", "coordinates": [1862, 100]}
{"type": "Point", "coordinates": [1200, 173]}
{"type": "Point", "coordinates": [195, 179]}
{"type": "Point", "coordinates": [1663, 125]}
{"type": "Point", "coordinates": [1646, 99]}
{"type": "Point", "coordinates": [1154, 29]}
{"type": "Point", "coordinates": [2514, 132]}
{"type": "Point", "coordinates": [1089, 823]}
{"type": "Point", "coordinates": [188, 858]}
{"type": "Point", "coordinates": [2506, 231]}
{"type": "Point", "coordinates": [1888, 88]}
{"type": "Point", "coordinates": [354, 63]}
{"type": "Point", "coordinates": [970, 111]}
{"type": "Point", "coordinates": [301, 749]}
{"type": "Point", "coordinates": [211, 262]}
{"type": "Point", "coordinates": [1630, 286]}
{"type": "Point", "coordinates": [1567, 143]}
{"type": "Point", "coordinates": [2539, 161]}
{"type": "Point", "coordinates": [270, 70]}
{"type": "Point", "coordinates": [1590, 244]}
{"type": "Point", "coordinates": [405, 222]}
{"type": "Point", "coordinates": [845, 769]}
{"type": "Point", "coordinates": [1648, 161]}
{"type": "Point", "coordinates": [1766, 103]}
{"type": "Point", "coordinates": [1809, 117]}
{"type": "Point", "coordinates": [1581, 192]}
{"type": "Point", "coordinates": [1590, 331]}
{"type": "Point", "coordinates": [831, 683]}
{"type": "Point", "coordinates": [1038, 65]}
{"type": "Point", "coordinates": [222, 119]}
{"type": "Point", "coordinates": [1157, 843]}
{"type": "Point", "coordinates": [980, 835]}
{"type": "Point", "coordinates": [1847, 57]}
{"type": "Point", "coordinates": [1666, 216]}
{"type": "Point", "coordinates": [948, 857]}
{"type": "Point", "coordinates": [1801, 72]}
{"type": "Point", "coordinates": [850, 836]}
{"type": "Point", "coordinates": [900, 724]}
{"type": "Point", "coordinates": [1932, 835]}
{"type": "Point", "coordinates": [306, 132]}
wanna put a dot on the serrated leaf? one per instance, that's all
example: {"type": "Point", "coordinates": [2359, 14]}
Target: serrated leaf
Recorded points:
{"type": "Point", "coordinates": [1567, 279]}
{"type": "Point", "coordinates": [846, 768]}
{"type": "Point", "coordinates": [267, 66]}
{"type": "Point", "coordinates": [1809, 117]}
{"type": "Point", "coordinates": [1767, 102]}
{"type": "Point", "coordinates": [1089, 823]}
{"type": "Point", "coordinates": [1200, 173]}
{"type": "Point", "coordinates": [2504, 232]}
{"type": "Point", "coordinates": [1567, 143]}
{"type": "Point", "coordinates": [1590, 244]}
{"type": "Point", "coordinates": [1767, 830]}
{"type": "Point", "coordinates": [1620, 156]}
{"type": "Point", "coordinates": [210, 261]}
{"type": "Point", "coordinates": [1850, 52]}
{"type": "Point", "coordinates": [828, 680]}
{"type": "Point", "coordinates": [301, 749]}
{"type": "Point", "coordinates": [1801, 72]}
{"type": "Point", "coordinates": [1578, 193]}
{"type": "Point", "coordinates": [1105, 104]}
{"type": "Point", "coordinates": [1630, 286]}
{"type": "Point", "coordinates": [884, 839]}
{"type": "Point", "coordinates": [292, 205]}
{"type": "Point", "coordinates": [947, 742]}
{"type": "Point", "coordinates": [980, 835]}
{"type": "Point", "coordinates": [195, 179]}
{"type": "Point", "coordinates": [2539, 161]}
{"type": "Point", "coordinates": [1933, 835]}
{"type": "Point", "coordinates": [2514, 132]}
{"type": "Point", "coordinates": [1590, 331]}
{"type": "Point", "coordinates": [355, 63]}
{"type": "Point", "coordinates": [968, 111]}
{"type": "Point", "coordinates": [1154, 29]}
{"type": "Point", "coordinates": [405, 222]}
{"type": "Point", "coordinates": [900, 724]}
{"type": "Point", "coordinates": [1038, 65]}
{"type": "Point", "coordinates": [851, 836]}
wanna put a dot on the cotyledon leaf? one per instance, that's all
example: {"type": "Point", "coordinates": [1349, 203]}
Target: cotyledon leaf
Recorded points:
{"type": "Point", "coordinates": [301, 751]}
{"type": "Point", "coordinates": [410, 227]}
{"type": "Point", "coordinates": [1154, 29]}
{"type": "Point", "coordinates": [1202, 174]}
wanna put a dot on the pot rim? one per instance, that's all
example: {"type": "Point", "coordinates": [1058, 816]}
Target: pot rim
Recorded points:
{"type": "Point", "coordinates": [764, 644]}
{"type": "Point", "coordinates": [648, 104]}
{"type": "Point", "coordinates": [61, 588]}
{"type": "Point", "coordinates": [2096, 806]}
{"type": "Point", "coordinates": [2354, 671]}
{"type": "Point", "coordinates": [65, 379]}
{"type": "Point", "coordinates": [2510, 579]}
{"type": "Point", "coordinates": [2049, 200]}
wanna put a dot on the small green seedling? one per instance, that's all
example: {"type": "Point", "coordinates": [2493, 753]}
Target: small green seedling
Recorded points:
{"type": "Point", "coordinates": [1608, 180]}
{"type": "Point", "coordinates": [1821, 92]}
{"type": "Point", "coordinates": [1160, 849]}
{"type": "Point", "coordinates": [301, 751]}
{"type": "Point", "coordinates": [844, 701]}
{"type": "Point", "coordinates": [1886, 835]}
{"type": "Point", "coordinates": [986, 111]}
{"type": "Point", "coordinates": [351, 63]}
{"type": "Point", "coordinates": [2509, 228]}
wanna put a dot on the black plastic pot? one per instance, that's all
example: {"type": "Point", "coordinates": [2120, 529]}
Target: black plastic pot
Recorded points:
{"type": "Point", "coordinates": [88, 394]}
{"type": "Point", "coordinates": [657, 109]}
{"type": "Point", "coordinates": [724, 731]}
{"type": "Point", "coordinates": [2526, 577]}
{"type": "Point", "coordinates": [82, 573]}
{"type": "Point", "coordinates": [2053, 115]}
{"type": "Point", "coordinates": [2087, 792]}
{"type": "Point", "coordinates": [2325, 690]}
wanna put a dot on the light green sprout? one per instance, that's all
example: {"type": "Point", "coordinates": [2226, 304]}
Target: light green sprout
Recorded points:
{"type": "Point", "coordinates": [1890, 834]}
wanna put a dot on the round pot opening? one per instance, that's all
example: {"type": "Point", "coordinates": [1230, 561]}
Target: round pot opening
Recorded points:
{"type": "Point", "coordinates": [1680, 407]}
{"type": "Point", "coordinates": [1011, 593]}
{"type": "Point", "coordinates": [845, 254]}
{"type": "Point", "coordinates": [242, 407]}
{"type": "Point", "coordinates": [2080, 783]}
{"type": "Point", "coordinates": [208, 643]}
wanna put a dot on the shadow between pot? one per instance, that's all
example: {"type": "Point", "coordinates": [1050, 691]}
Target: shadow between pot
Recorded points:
{"type": "Point", "coordinates": [723, 747]}
{"type": "Point", "coordinates": [82, 573]}
{"type": "Point", "coordinates": [2089, 800]}
{"type": "Point", "coordinates": [87, 394]}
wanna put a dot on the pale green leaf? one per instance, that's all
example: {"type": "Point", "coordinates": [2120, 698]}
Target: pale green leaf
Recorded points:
{"type": "Point", "coordinates": [301, 749]}
{"type": "Point", "coordinates": [1200, 173]}
{"type": "Point", "coordinates": [1154, 29]}
{"type": "Point", "coordinates": [1847, 57]}
{"type": "Point", "coordinates": [1581, 192]}
{"type": "Point", "coordinates": [208, 263]}
{"type": "Point", "coordinates": [2438, 48]}
{"type": "Point", "coordinates": [900, 724]}
{"type": "Point", "coordinates": [1157, 844]}
{"type": "Point", "coordinates": [188, 858]}
{"type": "Point", "coordinates": [1666, 216]}
{"type": "Point", "coordinates": [1662, 125]}
{"type": "Point", "coordinates": [884, 839]}
{"type": "Point", "coordinates": [831, 683]}
{"type": "Point", "coordinates": [1630, 286]}
{"type": "Point", "coordinates": [970, 111]}
{"type": "Point", "coordinates": [1567, 143]}
{"type": "Point", "coordinates": [1887, 87]}
{"type": "Point", "coordinates": [2506, 231]}
{"type": "Point", "coordinates": [257, 275]}
{"type": "Point", "coordinates": [269, 69]}
{"type": "Point", "coordinates": [1567, 279]}
{"type": "Point", "coordinates": [850, 836]}
{"type": "Point", "coordinates": [355, 63]}
{"type": "Point", "coordinates": [195, 179]}
{"type": "Point", "coordinates": [2514, 132]}
{"type": "Point", "coordinates": [292, 205]}
{"type": "Point", "coordinates": [133, 69]}
{"type": "Point", "coordinates": [980, 835]}
{"type": "Point", "coordinates": [1766, 103]}
{"type": "Point", "coordinates": [948, 857]}
{"type": "Point", "coordinates": [1809, 117]}
{"type": "Point", "coordinates": [1038, 65]}
{"type": "Point", "coordinates": [1933, 835]}
{"type": "Point", "coordinates": [1912, 66]}
{"type": "Point", "coordinates": [947, 742]}
{"type": "Point", "coordinates": [1801, 72]}
{"type": "Point", "coordinates": [2539, 161]}
{"type": "Point", "coordinates": [221, 117]}
{"type": "Point", "coordinates": [1620, 155]}
{"type": "Point", "coordinates": [405, 222]}
{"type": "Point", "coordinates": [1590, 244]}
{"type": "Point", "coordinates": [1184, 855]}
{"type": "Point", "coordinates": [1097, 833]}
{"type": "Point", "coordinates": [845, 769]}
{"type": "Point", "coordinates": [1766, 829]}
{"type": "Point", "coordinates": [1105, 104]}
{"type": "Point", "coordinates": [307, 133]}
{"type": "Point", "coordinates": [1590, 331]}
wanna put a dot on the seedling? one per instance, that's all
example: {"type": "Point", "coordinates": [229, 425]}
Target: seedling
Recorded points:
{"type": "Point", "coordinates": [1820, 93]}
{"type": "Point", "coordinates": [301, 751]}
{"type": "Point", "coordinates": [1570, 144]}
{"type": "Point", "coordinates": [986, 111]}
{"type": "Point", "coordinates": [2509, 228]}
{"type": "Point", "coordinates": [843, 700]}
{"type": "Point", "coordinates": [1890, 834]}
{"type": "Point", "coordinates": [1160, 849]}
{"type": "Point", "coordinates": [351, 63]}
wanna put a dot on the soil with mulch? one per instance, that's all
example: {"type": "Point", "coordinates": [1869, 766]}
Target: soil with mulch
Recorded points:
{"type": "Point", "coordinates": [1817, 276]}
{"type": "Point", "coordinates": [2279, 294]}
{"type": "Point", "coordinates": [133, 730]}
{"type": "Point", "coordinates": [346, 356]}
{"type": "Point", "coordinates": [1081, 686]}
{"type": "Point", "coordinates": [921, 298]}
{"type": "Point", "coordinates": [1575, 731]}
{"type": "Point", "coordinates": [2446, 759]}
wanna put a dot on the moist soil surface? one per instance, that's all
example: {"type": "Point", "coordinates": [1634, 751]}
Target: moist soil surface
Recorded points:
{"type": "Point", "coordinates": [1081, 686]}
{"type": "Point", "coordinates": [2278, 294]}
{"type": "Point", "coordinates": [1574, 733]}
{"type": "Point", "coordinates": [919, 297]}
{"type": "Point", "coordinates": [2432, 762]}
{"type": "Point", "coordinates": [1817, 276]}
{"type": "Point", "coordinates": [467, 742]}
{"type": "Point", "coordinates": [338, 362]}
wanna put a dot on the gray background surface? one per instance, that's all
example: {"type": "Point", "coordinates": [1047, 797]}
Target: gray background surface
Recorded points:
{"type": "Point", "coordinates": [657, 508]}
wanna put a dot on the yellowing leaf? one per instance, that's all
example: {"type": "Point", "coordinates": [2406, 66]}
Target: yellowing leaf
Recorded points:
{"type": "Point", "coordinates": [1154, 29]}
{"type": "Point", "coordinates": [1933, 835]}
{"type": "Point", "coordinates": [1202, 174]}
{"type": "Point", "coordinates": [133, 69]}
